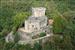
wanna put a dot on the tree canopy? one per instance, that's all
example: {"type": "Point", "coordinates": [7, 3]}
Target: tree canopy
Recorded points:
{"type": "Point", "coordinates": [14, 12]}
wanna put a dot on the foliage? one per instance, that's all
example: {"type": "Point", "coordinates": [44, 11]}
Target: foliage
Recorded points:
{"type": "Point", "coordinates": [13, 14]}
{"type": "Point", "coordinates": [18, 19]}
{"type": "Point", "coordinates": [42, 34]}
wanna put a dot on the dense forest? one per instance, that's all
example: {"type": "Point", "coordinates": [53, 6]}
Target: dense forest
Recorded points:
{"type": "Point", "coordinates": [14, 12]}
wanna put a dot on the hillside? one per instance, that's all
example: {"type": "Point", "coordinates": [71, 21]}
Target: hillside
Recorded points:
{"type": "Point", "coordinates": [14, 12]}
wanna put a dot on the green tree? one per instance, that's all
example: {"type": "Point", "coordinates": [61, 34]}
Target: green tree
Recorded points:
{"type": "Point", "coordinates": [18, 19]}
{"type": "Point", "coordinates": [42, 34]}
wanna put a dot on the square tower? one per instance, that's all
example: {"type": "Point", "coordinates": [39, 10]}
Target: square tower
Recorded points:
{"type": "Point", "coordinates": [38, 12]}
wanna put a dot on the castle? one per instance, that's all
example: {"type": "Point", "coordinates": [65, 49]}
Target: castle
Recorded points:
{"type": "Point", "coordinates": [34, 25]}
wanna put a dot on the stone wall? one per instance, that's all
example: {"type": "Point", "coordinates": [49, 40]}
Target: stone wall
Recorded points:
{"type": "Point", "coordinates": [38, 12]}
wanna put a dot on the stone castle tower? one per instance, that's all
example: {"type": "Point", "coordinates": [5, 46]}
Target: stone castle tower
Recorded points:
{"type": "Point", "coordinates": [37, 21]}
